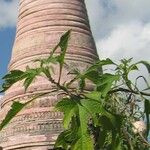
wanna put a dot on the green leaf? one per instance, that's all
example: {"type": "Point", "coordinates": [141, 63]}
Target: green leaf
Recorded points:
{"type": "Point", "coordinates": [30, 75]}
{"type": "Point", "coordinates": [63, 44]}
{"type": "Point", "coordinates": [64, 41]}
{"type": "Point", "coordinates": [102, 138]}
{"type": "Point", "coordinates": [147, 112]}
{"type": "Point", "coordinates": [94, 72]}
{"type": "Point", "coordinates": [105, 83]}
{"type": "Point", "coordinates": [61, 141]}
{"type": "Point", "coordinates": [15, 108]}
{"type": "Point", "coordinates": [133, 67]}
{"type": "Point", "coordinates": [85, 142]}
{"type": "Point", "coordinates": [27, 82]}
{"type": "Point", "coordinates": [5, 86]}
{"type": "Point", "coordinates": [13, 75]}
{"type": "Point", "coordinates": [82, 84]}
{"type": "Point", "coordinates": [69, 108]}
{"type": "Point", "coordinates": [126, 61]}
{"type": "Point", "coordinates": [83, 116]}
{"type": "Point", "coordinates": [47, 61]}
{"type": "Point", "coordinates": [18, 75]}
{"type": "Point", "coordinates": [145, 80]}
{"type": "Point", "coordinates": [46, 71]}
{"type": "Point", "coordinates": [93, 107]}
{"type": "Point", "coordinates": [95, 95]}
{"type": "Point", "coordinates": [92, 75]}
{"type": "Point", "coordinates": [117, 143]}
{"type": "Point", "coordinates": [115, 120]}
{"type": "Point", "coordinates": [105, 122]}
{"type": "Point", "coordinates": [147, 65]}
{"type": "Point", "coordinates": [74, 108]}
{"type": "Point", "coordinates": [11, 78]}
{"type": "Point", "coordinates": [99, 64]}
{"type": "Point", "coordinates": [67, 137]}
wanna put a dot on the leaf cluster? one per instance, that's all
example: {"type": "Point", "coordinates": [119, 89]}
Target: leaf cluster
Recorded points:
{"type": "Point", "coordinates": [99, 119]}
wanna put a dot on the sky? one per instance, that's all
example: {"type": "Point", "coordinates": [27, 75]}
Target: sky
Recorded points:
{"type": "Point", "coordinates": [121, 28]}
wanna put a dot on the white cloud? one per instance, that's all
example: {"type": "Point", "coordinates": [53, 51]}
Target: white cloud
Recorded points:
{"type": "Point", "coordinates": [8, 13]}
{"type": "Point", "coordinates": [120, 27]}
{"type": "Point", "coordinates": [127, 40]}
{"type": "Point", "coordinates": [105, 15]}
{"type": "Point", "coordinates": [95, 12]}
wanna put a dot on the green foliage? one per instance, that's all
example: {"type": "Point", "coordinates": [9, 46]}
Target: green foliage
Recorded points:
{"type": "Point", "coordinates": [147, 65]}
{"type": "Point", "coordinates": [99, 119]}
{"type": "Point", "coordinates": [63, 44]}
{"type": "Point", "coordinates": [15, 108]}
{"type": "Point", "coordinates": [69, 108]}
{"type": "Point", "coordinates": [147, 112]}
{"type": "Point", "coordinates": [105, 83]}
{"type": "Point", "coordinates": [11, 78]}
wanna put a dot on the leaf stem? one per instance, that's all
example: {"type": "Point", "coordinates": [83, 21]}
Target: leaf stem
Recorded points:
{"type": "Point", "coordinates": [128, 91]}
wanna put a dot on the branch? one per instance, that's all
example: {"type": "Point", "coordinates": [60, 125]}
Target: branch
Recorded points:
{"type": "Point", "coordinates": [129, 91]}
{"type": "Point", "coordinates": [144, 140]}
{"type": "Point", "coordinates": [59, 86]}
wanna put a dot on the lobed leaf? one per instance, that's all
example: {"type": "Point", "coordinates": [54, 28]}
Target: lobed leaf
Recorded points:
{"type": "Point", "coordinates": [63, 44]}
{"type": "Point", "coordinates": [94, 95]}
{"type": "Point", "coordinates": [105, 83]}
{"type": "Point", "coordinates": [11, 78]}
{"type": "Point", "coordinates": [69, 108]}
{"type": "Point", "coordinates": [85, 142]}
{"type": "Point", "coordinates": [13, 75]}
{"type": "Point", "coordinates": [92, 107]}
{"type": "Point", "coordinates": [30, 75]}
{"type": "Point", "coordinates": [15, 108]}
{"type": "Point", "coordinates": [61, 141]}
{"type": "Point", "coordinates": [99, 64]}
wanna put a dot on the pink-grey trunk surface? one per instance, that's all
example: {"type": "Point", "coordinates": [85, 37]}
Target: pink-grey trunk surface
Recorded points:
{"type": "Point", "coordinates": [40, 25]}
